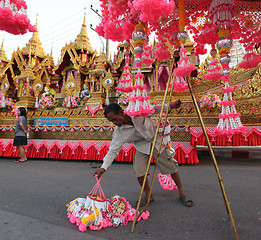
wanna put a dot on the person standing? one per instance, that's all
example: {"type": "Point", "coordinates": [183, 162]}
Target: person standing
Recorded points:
{"type": "Point", "coordinates": [21, 134]}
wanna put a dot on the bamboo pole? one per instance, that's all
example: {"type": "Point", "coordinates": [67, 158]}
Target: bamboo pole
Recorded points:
{"type": "Point", "coordinates": [214, 161]}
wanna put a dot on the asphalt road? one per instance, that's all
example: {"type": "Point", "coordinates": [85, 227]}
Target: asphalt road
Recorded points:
{"type": "Point", "coordinates": [33, 197]}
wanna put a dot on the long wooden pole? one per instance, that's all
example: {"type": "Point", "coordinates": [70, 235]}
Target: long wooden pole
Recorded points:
{"type": "Point", "coordinates": [214, 161]}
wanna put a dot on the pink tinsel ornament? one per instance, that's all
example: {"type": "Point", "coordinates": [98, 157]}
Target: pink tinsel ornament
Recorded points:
{"type": "Point", "coordinates": [184, 67]}
{"type": "Point", "coordinates": [162, 52]}
{"type": "Point", "coordinates": [139, 103]}
{"type": "Point", "coordinates": [229, 119]}
{"type": "Point", "coordinates": [214, 71]}
{"type": "Point", "coordinates": [125, 83]}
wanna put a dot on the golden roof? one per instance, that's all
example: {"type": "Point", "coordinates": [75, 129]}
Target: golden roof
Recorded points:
{"type": "Point", "coordinates": [99, 68]}
{"type": "Point", "coordinates": [34, 47]}
{"type": "Point", "coordinates": [3, 56]}
{"type": "Point", "coordinates": [28, 71]}
{"type": "Point", "coordinates": [50, 61]}
{"type": "Point", "coordinates": [103, 56]}
{"type": "Point", "coordinates": [82, 42]}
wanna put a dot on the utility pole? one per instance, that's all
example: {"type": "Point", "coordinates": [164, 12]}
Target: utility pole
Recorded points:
{"type": "Point", "coordinates": [107, 40]}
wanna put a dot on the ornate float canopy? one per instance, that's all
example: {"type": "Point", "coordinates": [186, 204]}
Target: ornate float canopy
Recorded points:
{"type": "Point", "coordinates": [82, 42]}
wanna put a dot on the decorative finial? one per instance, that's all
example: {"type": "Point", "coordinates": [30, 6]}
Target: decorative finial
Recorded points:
{"type": "Point", "coordinates": [51, 53]}
{"type": "Point", "coordinates": [2, 46]}
{"type": "Point", "coordinates": [84, 20]}
{"type": "Point", "coordinates": [36, 22]}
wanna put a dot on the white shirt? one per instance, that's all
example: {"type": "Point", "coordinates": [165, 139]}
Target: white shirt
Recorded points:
{"type": "Point", "coordinates": [142, 139]}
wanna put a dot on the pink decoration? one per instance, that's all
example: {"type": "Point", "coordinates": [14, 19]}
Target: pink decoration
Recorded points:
{"type": "Point", "coordinates": [167, 182]}
{"type": "Point", "coordinates": [180, 84]}
{"type": "Point", "coordinates": [209, 101]}
{"type": "Point", "coordinates": [82, 227]}
{"type": "Point", "coordinates": [97, 212]}
{"type": "Point", "coordinates": [72, 218]}
{"type": "Point", "coordinates": [93, 108]}
{"type": "Point", "coordinates": [200, 50]}
{"type": "Point", "coordinates": [229, 119]}
{"type": "Point", "coordinates": [13, 17]}
{"type": "Point", "coordinates": [250, 60]}
{"type": "Point", "coordinates": [214, 71]}
{"type": "Point", "coordinates": [146, 56]}
{"type": "Point", "coordinates": [125, 83]}
{"type": "Point", "coordinates": [162, 52]}
{"type": "Point", "coordinates": [87, 150]}
{"type": "Point", "coordinates": [184, 67]}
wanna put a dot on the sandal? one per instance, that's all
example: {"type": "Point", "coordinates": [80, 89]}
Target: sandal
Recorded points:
{"type": "Point", "coordinates": [186, 201]}
{"type": "Point", "coordinates": [144, 201]}
{"type": "Point", "coordinates": [19, 160]}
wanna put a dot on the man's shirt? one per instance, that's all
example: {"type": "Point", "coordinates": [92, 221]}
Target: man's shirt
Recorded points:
{"type": "Point", "coordinates": [141, 134]}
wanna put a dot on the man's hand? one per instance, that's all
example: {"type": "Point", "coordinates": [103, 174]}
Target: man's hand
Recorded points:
{"type": "Point", "coordinates": [176, 104]}
{"type": "Point", "coordinates": [98, 173]}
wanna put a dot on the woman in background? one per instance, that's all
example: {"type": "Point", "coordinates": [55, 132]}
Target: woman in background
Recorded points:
{"type": "Point", "coordinates": [21, 134]}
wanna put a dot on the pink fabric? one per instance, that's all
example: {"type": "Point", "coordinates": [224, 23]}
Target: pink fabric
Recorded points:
{"type": "Point", "coordinates": [163, 78]}
{"type": "Point", "coordinates": [250, 138]}
{"type": "Point", "coordinates": [88, 150]}
{"type": "Point", "coordinates": [147, 83]}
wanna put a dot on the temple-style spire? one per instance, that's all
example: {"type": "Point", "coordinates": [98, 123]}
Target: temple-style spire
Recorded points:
{"type": "Point", "coordinates": [100, 67]}
{"type": "Point", "coordinates": [36, 33]}
{"type": "Point", "coordinates": [82, 42]}
{"type": "Point", "coordinates": [103, 56]}
{"type": "Point", "coordinates": [50, 61]}
{"type": "Point", "coordinates": [34, 45]}
{"type": "Point", "coordinates": [3, 56]}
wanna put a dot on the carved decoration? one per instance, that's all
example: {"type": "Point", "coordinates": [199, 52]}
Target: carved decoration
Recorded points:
{"type": "Point", "coordinates": [37, 86]}
{"type": "Point", "coordinates": [5, 85]}
{"type": "Point", "coordinates": [108, 81]}
{"type": "Point", "coordinates": [70, 84]}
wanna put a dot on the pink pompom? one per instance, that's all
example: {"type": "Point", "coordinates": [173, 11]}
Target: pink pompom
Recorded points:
{"type": "Point", "coordinates": [184, 71]}
{"type": "Point", "coordinates": [178, 87]}
{"type": "Point", "coordinates": [82, 227]}
{"type": "Point", "coordinates": [72, 218]}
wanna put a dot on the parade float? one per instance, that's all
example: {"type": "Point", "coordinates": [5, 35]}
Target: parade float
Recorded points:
{"type": "Point", "coordinates": [65, 100]}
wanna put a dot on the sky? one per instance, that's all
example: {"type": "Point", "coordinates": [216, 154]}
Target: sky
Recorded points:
{"type": "Point", "coordinates": [59, 22]}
